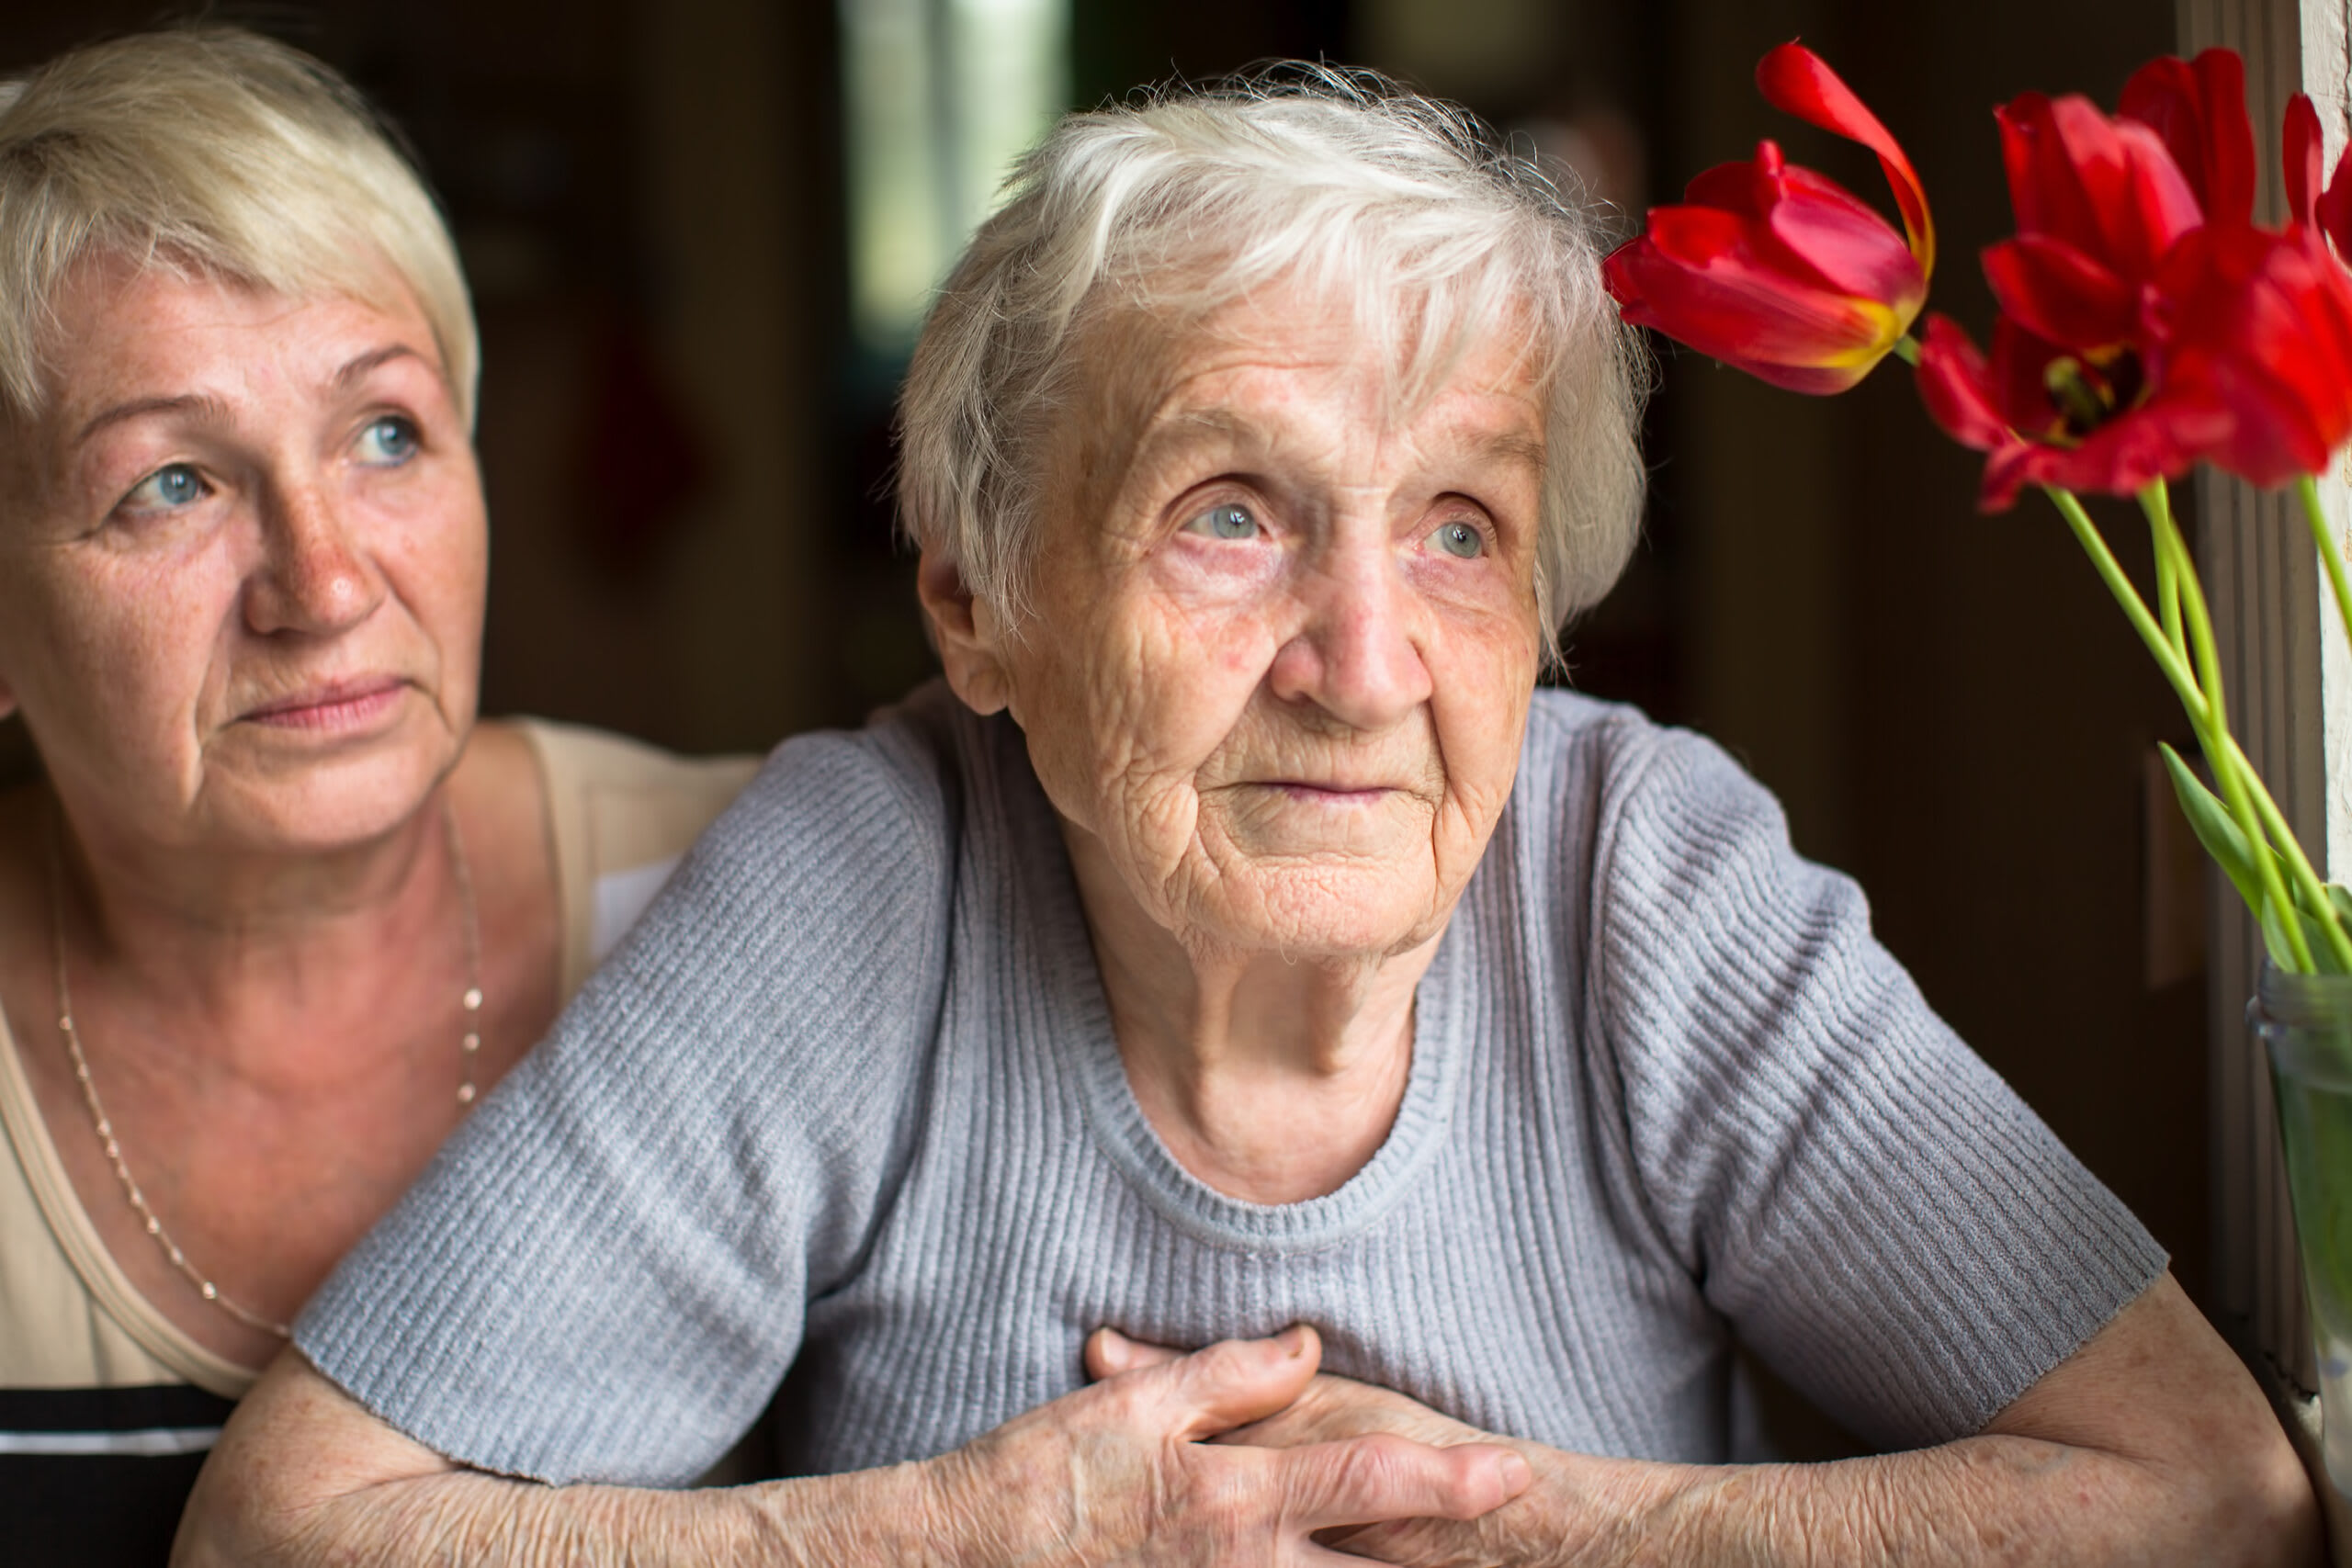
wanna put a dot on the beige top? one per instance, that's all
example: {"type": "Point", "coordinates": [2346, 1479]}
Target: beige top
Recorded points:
{"type": "Point", "coordinates": [620, 815]}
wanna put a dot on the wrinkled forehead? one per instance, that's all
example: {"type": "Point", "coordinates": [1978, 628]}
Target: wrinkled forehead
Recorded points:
{"type": "Point", "coordinates": [108, 283]}
{"type": "Point", "coordinates": [1140, 365]}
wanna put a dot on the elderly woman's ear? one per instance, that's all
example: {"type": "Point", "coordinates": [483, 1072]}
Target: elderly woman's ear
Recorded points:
{"type": "Point", "coordinates": [968, 632]}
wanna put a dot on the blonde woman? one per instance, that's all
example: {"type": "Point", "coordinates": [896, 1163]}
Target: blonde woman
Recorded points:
{"type": "Point", "coordinates": [281, 910]}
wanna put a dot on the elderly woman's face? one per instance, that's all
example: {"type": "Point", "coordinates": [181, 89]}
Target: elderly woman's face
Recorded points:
{"type": "Point", "coordinates": [241, 564]}
{"type": "Point", "coordinates": [1287, 634]}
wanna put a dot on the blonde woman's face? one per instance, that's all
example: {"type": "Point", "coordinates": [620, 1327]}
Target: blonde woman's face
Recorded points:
{"type": "Point", "coordinates": [1285, 633]}
{"type": "Point", "coordinates": [242, 561]}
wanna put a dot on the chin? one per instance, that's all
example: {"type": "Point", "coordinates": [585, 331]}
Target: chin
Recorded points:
{"type": "Point", "coordinates": [328, 805]}
{"type": "Point", "coordinates": [1322, 913]}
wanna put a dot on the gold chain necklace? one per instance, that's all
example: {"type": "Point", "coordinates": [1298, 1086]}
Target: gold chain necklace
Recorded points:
{"type": "Point", "coordinates": [468, 1050]}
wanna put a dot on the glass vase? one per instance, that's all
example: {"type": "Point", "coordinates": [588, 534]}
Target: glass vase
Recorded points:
{"type": "Point", "coordinates": [2305, 1022]}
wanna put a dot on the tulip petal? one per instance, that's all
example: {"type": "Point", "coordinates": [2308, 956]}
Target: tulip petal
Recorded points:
{"type": "Point", "coordinates": [2107, 187]}
{"type": "Point", "coordinates": [2158, 441]}
{"type": "Point", "coordinates": [2305, 160]}
{"type": "Point", "coordinates": [2266, 334]}
{"type": "Point", "coordinates": [1827, 234]}
{"type": "Point", "coordinates": [1796, 81]}
{"type": "Point", "coordinates": [2020, 379]}
{"type": "Point", "coordinates": [1852, 248]}
{"type": "Point", "coordinates": [2198, 110]}
{"type": "Point", "coordinates": [1726, 306]}
{"type": "Point", "coordinates": [1747, 188]}
{"type": "Point", "coordinates": [1954, 384]}
{"type": "Point", "coordinates": [2334, 207]}
{"type": "Point", "coordinates": [2058, 293]}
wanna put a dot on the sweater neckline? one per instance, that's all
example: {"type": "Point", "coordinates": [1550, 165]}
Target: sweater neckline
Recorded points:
{"type": "Point", "coordinates": [1083, 1039]}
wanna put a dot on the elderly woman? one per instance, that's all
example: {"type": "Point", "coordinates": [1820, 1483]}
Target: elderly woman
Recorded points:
{"type": "Point", "coordinates": [279, 910]}
{"type": "Point", "coordinates": [1240, 940]}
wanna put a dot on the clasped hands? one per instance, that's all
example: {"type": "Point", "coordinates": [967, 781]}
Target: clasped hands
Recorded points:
{"type": "Point", "coordinates": [1242, 1452]}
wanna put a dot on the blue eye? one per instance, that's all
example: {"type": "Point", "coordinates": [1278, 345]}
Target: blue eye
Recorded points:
{"type": "Point", "coordinates": [387, 442]}
{"type": "Point", "coordinates": [1227, 520]}
{"type": "Point", "coordinates": [172, 486]}
{"type": "Point", "coordinates": [1460, 540]}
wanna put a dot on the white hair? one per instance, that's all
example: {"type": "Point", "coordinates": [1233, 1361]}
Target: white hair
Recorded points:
{"type": "Point", "coordinates": [1435, 234]}
{"type": "Point", "coordinates": [210, 151]}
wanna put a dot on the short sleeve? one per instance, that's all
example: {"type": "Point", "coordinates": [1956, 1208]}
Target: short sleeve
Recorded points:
{"type": "Point", "coordinates": [602, 1276]}
{"type": "Point", "coordinates": [1877, 1214]}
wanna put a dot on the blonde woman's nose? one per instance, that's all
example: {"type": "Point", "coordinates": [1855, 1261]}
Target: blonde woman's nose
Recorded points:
{"type": "Point", "coordinates": [314, 577]}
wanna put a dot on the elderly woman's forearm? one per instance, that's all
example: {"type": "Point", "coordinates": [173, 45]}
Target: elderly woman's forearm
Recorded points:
{"type": "Point", "coordinates": [1987, 1499]}
{"type": "Point", "coordinates": [465, 1517]}
{"type": "Point", "coordinates": [1982, 1500]}
{"type": "Point", "coordinates": [305, 1475]}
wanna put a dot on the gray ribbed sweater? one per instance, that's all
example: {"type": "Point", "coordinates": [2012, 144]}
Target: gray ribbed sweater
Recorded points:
{"type": "Point", "coordinates": [850, 1095]}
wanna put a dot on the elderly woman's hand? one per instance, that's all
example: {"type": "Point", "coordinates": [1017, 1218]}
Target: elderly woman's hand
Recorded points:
{"type": "Point", "coordinates": [1075, 1473]}
{"type": "Point", "coordinates": [1335, 1410]}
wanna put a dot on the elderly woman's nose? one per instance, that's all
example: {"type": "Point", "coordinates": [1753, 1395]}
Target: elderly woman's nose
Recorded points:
{"type": "Point", "coordinates": [315, 576]}
{"type": "Point", "coordinates": [1357, 654]}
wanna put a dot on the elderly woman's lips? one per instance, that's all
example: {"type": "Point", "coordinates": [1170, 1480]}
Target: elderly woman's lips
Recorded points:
{"type": "Point", "coordinates": [343, 705]}
{"type": "Point", "coordinates": [1329, 795]}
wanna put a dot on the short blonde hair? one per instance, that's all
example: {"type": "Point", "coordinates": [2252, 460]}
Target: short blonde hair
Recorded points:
{"type": "Point", "coordinates": [212, 152]}
{"type": "Point", "coordinates": [1173, 208]}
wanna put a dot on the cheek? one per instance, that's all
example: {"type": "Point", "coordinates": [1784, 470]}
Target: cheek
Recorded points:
{"type": "Point", "coordinates": [116, 669]}
{"type": "Point", "coordinates": [1126, 696]}
{"type": "Point", "coordinates": [433, 537]}
{"type": "Point", "coordinates": [1485, 680]}
{"type": "Point", "coordinates": [1189, 673]}
{"type": "Point", "coordinates": [120, 633]}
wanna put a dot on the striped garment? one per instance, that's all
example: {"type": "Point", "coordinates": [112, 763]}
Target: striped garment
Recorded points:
{"type": "Point", "coordinates": [847, 1103]}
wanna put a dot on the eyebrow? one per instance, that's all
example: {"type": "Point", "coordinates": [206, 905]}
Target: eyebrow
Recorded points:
{"type": "Point", "coordinates": [1194, 427]}
{"type": "Point", "coordinates": [367, 364]}
{"type": "Point", "coordinates": [209, 407]}
{"type": "Point", "coordinates": [205, 406]}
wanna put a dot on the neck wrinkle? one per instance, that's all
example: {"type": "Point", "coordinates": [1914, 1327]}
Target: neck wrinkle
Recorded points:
{"type": "Point", "coordinates": [1267, 1079]}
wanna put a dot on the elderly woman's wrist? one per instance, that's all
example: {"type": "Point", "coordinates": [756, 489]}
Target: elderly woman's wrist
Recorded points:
{"type": "Point", "coordinates": [959, 1509]}
{"type": "Point", "coordinates": [870, 1518]}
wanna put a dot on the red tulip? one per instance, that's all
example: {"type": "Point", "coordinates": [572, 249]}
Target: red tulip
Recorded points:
{"type": "Point", "coordinates": [2145, 323]}
{"type": "Point", "coordinates": [2047, 416]}
{"type": "Point", "coordinates": [1777, 270]}
{"type": "Point", "coordinates": [2262, 328]}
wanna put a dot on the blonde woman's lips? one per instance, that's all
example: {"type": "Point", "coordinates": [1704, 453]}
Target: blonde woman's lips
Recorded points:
{"type": "Point", "coordinates": [334, 706]}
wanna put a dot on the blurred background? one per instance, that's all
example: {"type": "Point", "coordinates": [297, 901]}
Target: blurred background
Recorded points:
{"type": "Point", "coordinates": [701, 231]}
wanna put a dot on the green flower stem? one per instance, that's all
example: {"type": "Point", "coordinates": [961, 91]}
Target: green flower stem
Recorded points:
{"type": "Point", "coordinates": [2299, 866]}
{"type": "Point", "coordinates": [2330, 557]}
{"type": "Point", "coordinates": [1907, 349]}
{"type": "Point", "coordinates": [2168, 659]}
{"type": "Point", "coordinates": [2156, 502]}
{"type": "Point", "coordinates": [2203, 712]}
{"type": "Point", "coordinates": [2243, 788]}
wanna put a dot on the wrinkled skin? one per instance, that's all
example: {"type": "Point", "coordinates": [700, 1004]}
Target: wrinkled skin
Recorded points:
{"type": "Point", "coordinates": [1296, 739]}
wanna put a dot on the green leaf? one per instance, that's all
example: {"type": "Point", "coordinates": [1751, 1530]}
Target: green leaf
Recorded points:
{"type": "Point", "coordinates": [2323, 958]}
{"type": "Point", "coordinates": [2218, 831]}
{"type": "Point", "coordinates": [2274, 938]}
{"type": "Point", "coordinates": [2214, 828]}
